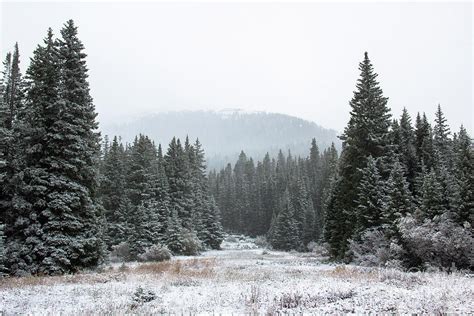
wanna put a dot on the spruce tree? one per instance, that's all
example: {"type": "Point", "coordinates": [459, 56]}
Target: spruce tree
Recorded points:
{"type": "Point", "coordinates": [57, 215]}
{"type": "Point", "coordinates": [406, 148]}
{"type": "Point", "coordinates": [113, 193]}
{"type": "Point", "coordinates": [24, 234]}
{"type": "Point", "coordinates": [431, 200]}
{"type": "Point", "coordinates": [174, 238]}
{"type": "Point", "coordinates": [213, 233]}
{"type": "Point", "coordinates": [424, 143]}
{"type": "Point", "coordinates": [365, 135]}
{"type": "Point", "coordinates": [465, 177]}
{"type": "Point", "coordinates": [71, 156]}
{"type": "Point", "coordinates": [11, 102]}
{"type": "Point", "coordinates": [283, 236]}
{"type": "Point", "coordinates": [370, 199]}
{"type": "Point", "coordinates": [399, 200]}
{"type": "Point", "coordinates": [441, 141]}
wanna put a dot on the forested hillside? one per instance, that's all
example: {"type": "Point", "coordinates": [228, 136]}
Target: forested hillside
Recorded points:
{"type": "Point", "coordinates": [224, 134]}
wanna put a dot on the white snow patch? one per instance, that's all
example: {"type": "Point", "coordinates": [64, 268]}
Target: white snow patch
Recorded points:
{"type": "Point", "coordinates": [240, 279]}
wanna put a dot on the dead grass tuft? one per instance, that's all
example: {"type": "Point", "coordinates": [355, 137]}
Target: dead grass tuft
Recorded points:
{"type": "Point", "coordinates": [345, 272]}
{"type": "Point", "coordinates": [78, 278]}
{"type": "Point", "coordinates": [196, 267]}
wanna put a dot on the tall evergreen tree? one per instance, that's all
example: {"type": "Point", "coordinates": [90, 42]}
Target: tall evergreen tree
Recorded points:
{"type": "Point", "coordinates": [365, 135]}
{"type": "Point", "coordinates": [423, 143]}
{"type": "Point", "coordinates": [58, 201]}
{"type": "Point", "coordinates": [24, 234]}
{"type": "Point", "coordinates": [113, 193]}
{"type": "Point", "coordinates": [465, 176]}
{"type": "Point", "coordinates": [406, 148]}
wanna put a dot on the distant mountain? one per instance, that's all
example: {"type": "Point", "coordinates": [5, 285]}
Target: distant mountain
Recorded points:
{"type": "Point", "coordinates": [225, 133]}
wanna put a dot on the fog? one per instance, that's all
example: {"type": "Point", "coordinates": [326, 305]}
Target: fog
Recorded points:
{"type": "Point", "coordinates": [298, 59]}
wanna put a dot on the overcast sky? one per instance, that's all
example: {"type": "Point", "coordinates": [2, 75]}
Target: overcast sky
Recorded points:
{"type": "Point", "coordinates": [294, 58]}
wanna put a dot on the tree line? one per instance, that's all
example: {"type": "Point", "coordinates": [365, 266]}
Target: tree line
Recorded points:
{"type": "Point", "coordinates": [64, 201]}
{"type": "Point", "coordinates": [400, 194]}
{"type": "Point", "coordinates": [282, 197]}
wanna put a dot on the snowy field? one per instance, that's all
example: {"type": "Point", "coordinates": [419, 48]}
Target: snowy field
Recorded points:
{"type": "Point", "coordinates": [240, 279]}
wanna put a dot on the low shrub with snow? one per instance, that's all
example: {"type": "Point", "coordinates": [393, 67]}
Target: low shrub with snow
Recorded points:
{"type": "Point", "coordinates": [261, 242]}
{"type": "Point", "coordinates": [141, 296]}
{"type": "Point", "coordinates": [374, 249]}
{"type": "Point", "coordinates": [120, 252]}
{"type": "Point", "coordinates": [231, 238]}
{"type": "Point", "coordinates": [191, 244]}
{"type": "Point", "coordinates": [156, 252]}
{"type": "Point", "coordinates": [439, 242]}
{"type": "Point", "coordinates": [320, 250]}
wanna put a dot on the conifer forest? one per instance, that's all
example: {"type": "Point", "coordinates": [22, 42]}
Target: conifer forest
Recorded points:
{"type": "Point", "coordinates": [149, 227]}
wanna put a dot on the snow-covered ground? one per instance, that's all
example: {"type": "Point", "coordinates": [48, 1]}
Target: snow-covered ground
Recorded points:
{"type": "Point", "coordinates": [240, 279]}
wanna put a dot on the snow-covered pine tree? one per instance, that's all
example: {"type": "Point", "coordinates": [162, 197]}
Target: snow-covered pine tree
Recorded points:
{"type": "Point", "coordinates": [177, 172]}
{"type": "Point", "coordinates": [311, 231]}
{"type": "Point", "coordinates": [24, 235]}
{"type": "Point", "coordinates": [174, 239]}
{"type": "Point", "coordinates": [143, 155]}
{"type": "Point", "coordinates": [424, 143]}
{"type": "Point", "coordinates": [464, 172]}
{"type": "Point", "coordinates": [301, 203]}
{"type": "Point", "coordinates": [212, 234]}
{"type": "Point", "coordinates": [431, 200]}
{"type": "Point", "coordinates": [11, 101]}
{"type": "Point", "coordinates": [71, 229]}
{"type": "Point", "coordinates": [113, 193]}
{"type": "Point", "coordinates": [399, 200]}
{"type": "Point", "coordinates": [283, 233]}
{"type": "Point", "coordinates": [365, 135]}
{"type": "Point", "coordinates": [370, 197]}
{"type": "Point", "coordinates": [441, 140]}
{"type": "Point", "coordinates": [406, 148]}
{"type": "Point", "coordinates": [315, 175]}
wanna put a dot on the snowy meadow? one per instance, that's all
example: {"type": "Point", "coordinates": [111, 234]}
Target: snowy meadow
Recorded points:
{"type": "Point", "coordinates": [240, 279]}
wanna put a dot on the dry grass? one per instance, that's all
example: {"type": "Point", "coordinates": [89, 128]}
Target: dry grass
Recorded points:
{"type": "Point", "coordinates": [196, 267]}
{"type": "Point", "coordinates": [345, 272]}
{"type": "Point", "coordinates": [78, 278]}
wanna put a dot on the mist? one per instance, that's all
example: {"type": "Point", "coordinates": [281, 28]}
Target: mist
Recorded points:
{"type": "Point", "coordinates": [299, 59]}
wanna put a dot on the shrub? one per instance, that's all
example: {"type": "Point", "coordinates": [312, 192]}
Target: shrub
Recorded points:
{"type": "Point", "coordinates": [231, 238]}
{"type": "Point", "coordinates": [142, 296]}
{"type": "Point", "coordinates": [191, 244]}
{"type": "Point", "coordinates": [375, 249]}
{"type": "Point", "coordinates": [319, 250]}
{"type": "Point", "coordinates": [261, 242]}
{"type": "Point", "coordinates": [156, 252]}
{"type": "Point", "coordinates": [121, 252]}
{"type": "Point", "coordinates": [438, 242]}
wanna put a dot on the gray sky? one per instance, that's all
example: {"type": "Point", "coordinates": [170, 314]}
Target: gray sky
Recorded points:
{"type": "Point", "coordinates": [294, 58]}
